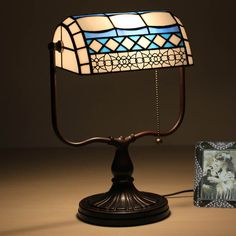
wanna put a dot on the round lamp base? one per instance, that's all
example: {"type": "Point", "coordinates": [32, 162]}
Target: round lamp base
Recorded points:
{"type": "Point", "coordinates": [127, 208]}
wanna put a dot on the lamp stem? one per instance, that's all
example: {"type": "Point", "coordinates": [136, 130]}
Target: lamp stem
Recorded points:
{"type": "Point", "coordinates": [122, 166]}
{"type": "Point", "coordinates": [123, 204]}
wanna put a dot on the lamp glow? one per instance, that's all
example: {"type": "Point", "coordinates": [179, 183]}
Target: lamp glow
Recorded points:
{"type": "Point", "coordinates": [144, 40]}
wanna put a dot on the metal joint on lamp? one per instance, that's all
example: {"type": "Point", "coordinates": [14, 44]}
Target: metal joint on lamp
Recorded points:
{"type": "Point", "coordinates": [117, 42]}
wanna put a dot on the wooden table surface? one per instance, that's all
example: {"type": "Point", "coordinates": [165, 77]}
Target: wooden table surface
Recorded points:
{"type": "Point", "coordinates": [40, 190]}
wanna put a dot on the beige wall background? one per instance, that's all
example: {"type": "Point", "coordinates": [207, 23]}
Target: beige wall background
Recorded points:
{"type": "Point", "coordinates": [115, 104]}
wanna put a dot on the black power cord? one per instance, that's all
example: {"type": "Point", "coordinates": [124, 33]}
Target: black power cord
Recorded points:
{"type": "Point", "coordinates": [176, 193]}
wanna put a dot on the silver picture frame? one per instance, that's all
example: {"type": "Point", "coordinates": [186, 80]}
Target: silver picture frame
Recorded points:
{"type": "Point", "coordinates": [215, 174]}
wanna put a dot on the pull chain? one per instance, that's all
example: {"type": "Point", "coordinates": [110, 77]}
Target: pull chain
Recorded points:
{"type": "Point", "coordinates": [158, 140]}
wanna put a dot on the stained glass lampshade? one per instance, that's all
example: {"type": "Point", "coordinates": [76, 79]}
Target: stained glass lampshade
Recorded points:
{"type": "Point", "coordinates": [119, 42]}
{"type": "Point", "coordinates": [113, 42]}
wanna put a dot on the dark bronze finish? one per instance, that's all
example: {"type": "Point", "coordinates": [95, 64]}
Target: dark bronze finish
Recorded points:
{"type": "Point", "coordinates": [123, 204]}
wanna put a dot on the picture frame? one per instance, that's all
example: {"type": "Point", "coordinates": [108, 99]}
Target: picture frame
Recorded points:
{"type": "Point", "coordinates": [215, 174]}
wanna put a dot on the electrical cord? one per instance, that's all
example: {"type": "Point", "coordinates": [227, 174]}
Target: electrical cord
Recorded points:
{"type": "Point", "coordinates": [176, 193]}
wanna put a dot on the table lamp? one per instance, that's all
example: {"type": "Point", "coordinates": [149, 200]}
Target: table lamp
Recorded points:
{"type": "Point", "coordinates": [94, 44]}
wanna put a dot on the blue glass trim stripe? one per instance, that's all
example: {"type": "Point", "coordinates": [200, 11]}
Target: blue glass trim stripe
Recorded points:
{"type": "Point", "coordinates": [135, 38]}
{"type": "Point", "coordinates": [121, 13]}
{"type": "Point", "coordinates": [179, 35]}
{"type": "Point", "coordinates": [91, 51]}
{"type": "Point", "coordinates": [142, 31]}
{"type": "Point", "coordinates": [121, 48]}
{"type": "Point", "coordinates": [110, 33]}
{"type": "Point", "coordinates": [103, 41]}
{"type": "Point", "coordinates": [137, 47]}
{"type": "Point", "coordinates": [165, 36]}
{"type": "Point", "coordinates": [153, 46]}
{"type": "Point", "coordinates": [114, 13]}
{"type": "Point", "coordinates": [172, 29]}
{"type": "Point", "coordinates": [86, 15]}
{"type": "Point", "coordinates": [151, 36]}
{"type": "Point", "coordinates": [168, 45]}
{"type": "Point", "coordinates": [140, 12]}
{"type": "Point", "coordinates": [105, 49]}
{"type": "Point", "coordinates": [119, 39]}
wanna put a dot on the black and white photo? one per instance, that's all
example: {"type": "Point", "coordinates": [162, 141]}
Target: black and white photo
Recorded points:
{"type": "Point", "coordinates": [218, 181]}
{"type": "Point", "coordinates": [215, 174]}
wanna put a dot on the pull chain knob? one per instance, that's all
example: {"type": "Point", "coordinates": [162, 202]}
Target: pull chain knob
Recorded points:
{"type": "Point", "coordinates": [159, 141]}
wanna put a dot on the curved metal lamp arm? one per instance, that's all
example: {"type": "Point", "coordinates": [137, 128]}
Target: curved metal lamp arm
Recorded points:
{"type": "Point", "coordinates": [53, 84]}
{"type": "Point", "coordinates": [181, 111]}
{"type": "Point", "coordinates": [108, 140]}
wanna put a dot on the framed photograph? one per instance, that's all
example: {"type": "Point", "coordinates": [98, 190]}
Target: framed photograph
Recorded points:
{"type": "Point", "coordinates": [215, 174]}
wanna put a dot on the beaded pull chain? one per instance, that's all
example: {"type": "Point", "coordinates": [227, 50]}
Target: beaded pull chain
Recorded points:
{"type": "Point", "coordinates": [158, 140]}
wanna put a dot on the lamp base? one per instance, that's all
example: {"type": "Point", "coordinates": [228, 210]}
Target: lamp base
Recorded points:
{"type": "Point", "coordinates": [123, 205]}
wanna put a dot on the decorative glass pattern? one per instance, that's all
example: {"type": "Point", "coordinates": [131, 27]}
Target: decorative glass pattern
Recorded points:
{"type": "Point", "coordinates": [113, 42]}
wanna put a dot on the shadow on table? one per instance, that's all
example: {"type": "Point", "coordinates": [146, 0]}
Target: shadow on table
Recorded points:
{"type": "Point", "coordinates": [180, 197]}
{"type": "Point", "coordinates": [37, 228]}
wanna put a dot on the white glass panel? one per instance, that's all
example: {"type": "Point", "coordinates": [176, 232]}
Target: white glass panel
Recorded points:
{"type": "Point", "coordinates": [128, 43]}
{"type": "Point", "coordinates": [69, 60]}
{"type": "Point", "coordinates": [139, 58]}
{"type": "Point", "coordinates": [66, 39]}
{"type": "Point", "coordinates": [95, 23]}
{"type": "Point", "coordinates": [158, 18]}
{"type": "Point", "coordinates": [146, 59]}
{"type": "Point", "coordinates": [159, 41]}
{"type": "Point", "coordinates": [95, 45]}
{"type": "Point", "coordinates": [190, 60]}
{"type": "Point", "coordinates": [74, 28]}
{"type": "Point", "coordinates": [171, 57]}
{"type": "Point", "coordinates": [147, 66]}
{"type": "Point", "coordinates": [112, 44]}
{"type": "Point", "coordinates": [127, 21]}
{"type": "Point", "coordinates": [178, 20]}
{"type": "Point", "coordinates": [83, 56]}
{"type": "Point", "coordinates": [58, 59]}
{"type": "Point", "coordinates": [101, 70]}
{"type": "Point", "coordinates": [166, 64]}
{"type": "Point", "coordinates": [68, 21]}
{"type": "Point", "coordinates": [134, 67]}
{"type": "Point", "coordinates": [180, 63]}
{"type": "Point", "coordinates": [94, 63]}
{"type": "Point", "coordinates": [183, 32]}
{"type": "Point", "coordinates": [125, 68]}
{"type": "Point", "coordinates": [144, 42]}
{"type": "Point", "coordinates": [56, 38]}
{"type": "Point", "coordinates": [79, 40]}
{"type": "Point", "coordinates": [85, 69]}
{"type": "Point", "coordinates": [188, 48]}
{"type": "Point", "coordinates": [178, 57]}
{"type": "Point", "coordinates": [93, 57]}
{"type": "Point", "coordinates": [116, 69]}
{"type": "Point", "coordinates": [108, 63]}
{"type": "Point", "coordinates": [174, 40]}
{"type": "Point", "coordinates": [57, 35]}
